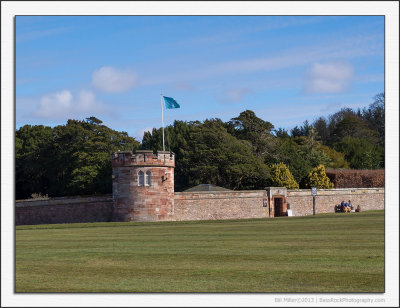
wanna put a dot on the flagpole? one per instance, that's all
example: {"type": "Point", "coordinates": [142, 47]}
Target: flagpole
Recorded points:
{"type": "Point", "coordinates": [162, 120]}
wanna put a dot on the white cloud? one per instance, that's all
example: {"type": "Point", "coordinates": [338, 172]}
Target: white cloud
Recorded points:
{"type": "Point", "coordinates": [86, 100]}
{"type": "Point", "coordinates": [232, 95]}
{"type": "Point", "coordinates": [272, 23]}
{"type": "Point", "coordinates": [332, 77]}
{"type": "Point", "coordinates": [337, 50]}
{"type": "Point", "coordinates": [109, 79]}
{"type": "Point", "coordinates": [335, 106]}
{"type": "Point", "coordinates": [63, 104]}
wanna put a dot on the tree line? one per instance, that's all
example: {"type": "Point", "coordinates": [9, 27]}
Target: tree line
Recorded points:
{"type": "Point", "coordinates": [67, 160]}
{"type": "Point", "coordinates": [245, 152]}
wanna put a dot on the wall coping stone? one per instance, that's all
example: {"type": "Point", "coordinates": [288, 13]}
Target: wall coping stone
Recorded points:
{"type": "Point", "coordinates": [198, 195]}
{"type": "Point", "coordinates": [221, 192]}
{"type": "Point", "coordinates": [61, 200]}
{"type": "Point", "coordinates": [336, 189]}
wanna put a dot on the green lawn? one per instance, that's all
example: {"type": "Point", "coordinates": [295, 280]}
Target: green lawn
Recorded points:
{"type": "Point", "coordinates": [342, 252]}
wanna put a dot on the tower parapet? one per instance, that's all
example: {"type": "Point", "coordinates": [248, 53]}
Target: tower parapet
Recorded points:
{"type": "Point", "coordinates": [143, 185]}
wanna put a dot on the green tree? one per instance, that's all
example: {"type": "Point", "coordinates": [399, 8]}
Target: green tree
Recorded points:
{"type": "Point", "coordinates": [293, 155]}
{"type": "Point", "coordinates": [361, 153]}
{"type": "Point", "coordinates": [321, 127]}
{"type": "Point", "coordinates": [359, 135]}
{"type": "Point", "coordinates": [336, 159]}
{"type": "Point", "coordinates": [318, 178]}
{"type": "Point", "coordinates": [219, 158]}
{"type": "Point", "coordinates": [353, 126]}
{"type": "Point", "coordinates": [281, 133]}
{"type": "Point", "coordinates": [310, 146]}
{"type": "Point", "coordinates": [84, 149]}
{"type": "Point", "coordinates": [282, 177]}
{"type": "Point", "coordinates": [178, 140]}
{"type": "Point", "coordinates": [68, 159]}
{"type": "Point", "coordinates": [301, 154]}
{"type": "Point", "coordinates": [33, 153]}
{"type": "Point", "coordinates": [207, 153]}
{"type": "Point", "coordinates": [247, 126]}
{"type": "Point", "coordinates": [375, 116]}
{"type": "Point", "coordinates": [333, 122]}
{"type": "Point", "coordinates": [302, 130]}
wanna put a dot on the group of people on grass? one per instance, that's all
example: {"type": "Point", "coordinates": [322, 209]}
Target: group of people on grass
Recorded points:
{"type": "Point", "coordinates": [346, 204]}
{"type": "Point", "coordinates": [347, 207]}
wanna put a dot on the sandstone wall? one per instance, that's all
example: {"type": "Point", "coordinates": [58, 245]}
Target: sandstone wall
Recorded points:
{"type": "Point", "coordinates": [135, 201]}
{"type": "Point", "coordinates": [64, 210]}
{"type": "Point", "coordinates": [301, 201]}
{"type": "Point", "coordinates": [197, 205]}
{"type": "Point", "coordinates": [207, 205]}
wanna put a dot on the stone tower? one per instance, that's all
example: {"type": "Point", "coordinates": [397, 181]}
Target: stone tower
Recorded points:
{"type": "Point", "coordinates": [143, 186]}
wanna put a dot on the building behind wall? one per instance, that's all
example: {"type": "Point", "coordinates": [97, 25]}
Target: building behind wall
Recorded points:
{"type": "Point", "coordinates": [143, 190]}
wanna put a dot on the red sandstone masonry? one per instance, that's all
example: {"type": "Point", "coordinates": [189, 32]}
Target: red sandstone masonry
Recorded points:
{"type": "Point", "coordinates": [220, 205]}
{"type": "Point", "coordinates": [301, 202]}
{"type": "Point", "coordinates": [64, 210]}
{"type": "Point", "coordinates": [193, 205]}
{"type": "Point", "coordinates": [143, 203]}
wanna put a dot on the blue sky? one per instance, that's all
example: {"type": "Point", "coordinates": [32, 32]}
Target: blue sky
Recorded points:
{"type": "Point", "coordinates": [287, 69]}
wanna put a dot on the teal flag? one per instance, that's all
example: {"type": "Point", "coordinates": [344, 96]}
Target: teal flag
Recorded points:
{"type": "Point", "coordinates": [170, 103]}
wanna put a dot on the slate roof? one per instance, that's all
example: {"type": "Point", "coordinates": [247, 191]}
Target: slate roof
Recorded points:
{"type": "Point", "coordinates": [206, 187]}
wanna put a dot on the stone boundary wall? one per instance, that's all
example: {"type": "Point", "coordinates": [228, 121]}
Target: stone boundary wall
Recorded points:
{"type": "Point", "coordinates": [210, 205]}
{"type": "Point", "coordinates": [197, 205]}
{"type": "Point", "coordinates": [301, 201]}
{"type": "Point", "coordinates": [64, 210]}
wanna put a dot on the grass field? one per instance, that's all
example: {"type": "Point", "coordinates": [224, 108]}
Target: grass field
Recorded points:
{"type": "Point", "coordinates": [325, 253]}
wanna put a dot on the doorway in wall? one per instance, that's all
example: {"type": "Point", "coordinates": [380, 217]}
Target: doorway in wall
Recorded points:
{"type": "Point", "coordinates": [278, 207]}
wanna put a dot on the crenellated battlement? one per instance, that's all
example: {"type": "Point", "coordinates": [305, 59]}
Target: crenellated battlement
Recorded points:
{"type": "Point", "coordinates": [143, 158]}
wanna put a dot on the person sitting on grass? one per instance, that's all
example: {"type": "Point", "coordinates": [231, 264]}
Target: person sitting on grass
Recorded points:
{"type": "Point", "coordinates": [350, 205]}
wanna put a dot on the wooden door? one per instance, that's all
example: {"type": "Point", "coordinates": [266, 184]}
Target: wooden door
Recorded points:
{"type": "Point", "coordinates": [277, 207]}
